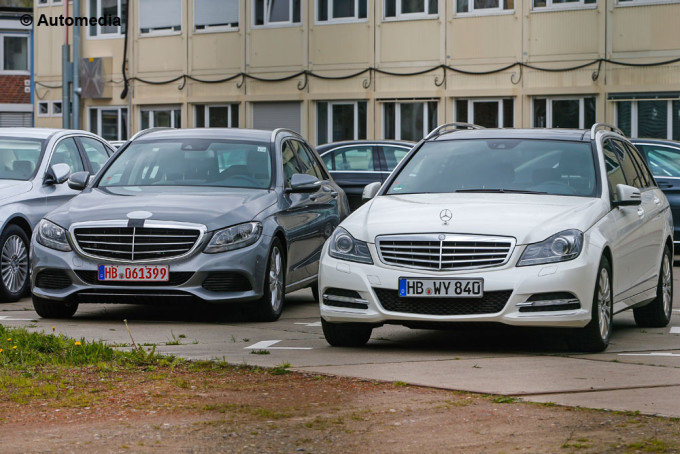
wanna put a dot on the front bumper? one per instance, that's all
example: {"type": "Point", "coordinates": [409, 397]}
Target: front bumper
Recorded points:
{"type": "Point", "coordinates": [248, 263]}
{"type": "Point", "coordinates": [515, 285]}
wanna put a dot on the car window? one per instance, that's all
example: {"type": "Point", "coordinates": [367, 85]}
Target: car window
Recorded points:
{"type": "Point", "coordinates": [290, 163]}
{"type": "Point", "coordinates": [628, 165]}
{"type": "Point", "coordinates": [313, 157]}
{"type": "Point", "coordinates": [96, 152]}
{"type": "Point", "coordinates": [328, 160]}
{"type": "Point", "coordinates": [393, 155]}
{"type": "Point", "coordinates": [614, 171]}
{"type": "Point", "coordinates": [66, 152]}
{"type": "Point", "coordinates": [359, 158]}
{"type": "Point", "coordinates": [487, 165]}
{"type": "Point", "coordinates": [662, 161]}
{"type": "Point", "coordinates": [647, 178]}
{"type": "Point", "coordinates": [19, 157]}
{"type": "Point", "coordinates": [307, 163]}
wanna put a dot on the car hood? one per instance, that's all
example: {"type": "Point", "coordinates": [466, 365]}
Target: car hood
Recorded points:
{"type": "Point", "coordinates": [213, 207]}
{"type": "Point", "coordinates": [528, 218]}
{"type": "Point", "coordinates": [11, 188]}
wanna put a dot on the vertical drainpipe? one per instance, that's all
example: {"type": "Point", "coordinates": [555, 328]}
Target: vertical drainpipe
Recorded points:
{"type": "Point", "coordinates": [66, 86]}
{"type": "Point", "coordinates": [32, 57]}
{"type": "Point", "coordinates": [76, 71]}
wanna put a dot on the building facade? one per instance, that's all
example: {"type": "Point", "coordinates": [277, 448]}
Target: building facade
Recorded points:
{"type": "Point", "coordinates": [353, 69]}
{"type": "Point", "coordinates": [15, 68]}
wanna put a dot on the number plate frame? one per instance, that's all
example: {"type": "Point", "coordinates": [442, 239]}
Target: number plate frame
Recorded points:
{"type": "Point", "coordinates": [476, 287]}
{"type": "Point", "coordinates": [125, 273]}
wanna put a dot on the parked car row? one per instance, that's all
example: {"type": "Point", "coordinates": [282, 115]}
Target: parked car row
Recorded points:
{"type": "Point", "coordinates": [559, 228]}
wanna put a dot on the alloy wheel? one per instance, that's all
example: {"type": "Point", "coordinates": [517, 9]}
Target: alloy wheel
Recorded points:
{"type": "Point", "coordinates": [667, 285]}
{"type": "Point", "coordinates": [604, 304]}
{"type": "Point", "coordinates": [14, 264]}
{"type": "Point", "coordinates": [276, 279]}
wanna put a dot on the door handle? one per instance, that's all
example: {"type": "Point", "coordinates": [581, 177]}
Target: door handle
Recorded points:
{"type": "Point", "coordinates": [641, 212]}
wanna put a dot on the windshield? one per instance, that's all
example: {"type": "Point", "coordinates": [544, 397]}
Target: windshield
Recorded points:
{"type": "Point", "coordinates": [499, 165]}
{"type": "Point", "coordinates": [19, 157]}
{"type": "Point", "coordinates": [192, 162]}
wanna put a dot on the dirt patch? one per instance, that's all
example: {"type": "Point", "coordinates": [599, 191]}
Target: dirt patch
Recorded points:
{"type": "Point", "coordinates": [207, 410]}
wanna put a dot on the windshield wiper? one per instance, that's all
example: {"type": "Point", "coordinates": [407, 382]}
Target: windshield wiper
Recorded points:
{"type": "Point", "coordinates": [502, 191]}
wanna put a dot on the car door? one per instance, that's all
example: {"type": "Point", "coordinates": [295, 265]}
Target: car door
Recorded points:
{"type": "Point", "coordinates": [309, 217]}
{"type": "Point", "coordinates": [355, 166]}
{"type": "Point", "coordinates": [65, 151]}
{"type": "Point", "coordinates": [391, 156]}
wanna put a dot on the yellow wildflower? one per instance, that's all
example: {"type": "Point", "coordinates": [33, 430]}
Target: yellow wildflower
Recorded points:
{"type": "Point", "coordinates": [14, 348]}
{"type": "Point", "coordinates": [77, 343]}
{"type": "Point", "coordinates": [0, 350]}
{"type": "Point", "coordinates": [9, 339]}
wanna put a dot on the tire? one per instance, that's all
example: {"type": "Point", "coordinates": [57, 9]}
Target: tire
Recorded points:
{"type": "Point", "coordinates": [269, 307]}
{"type": "Point", "coordinates": [595, 336]}
{"type": "Point", "coordinates": [54, 309]}
{"type": "Point", "coordinates": [315, 292]}
{"type": "Point", "coordinates": [14, 264]}
{"type": "Point", "coordinates": [346, 334]}
{"type": "Point", "coordinates": [657, 314]}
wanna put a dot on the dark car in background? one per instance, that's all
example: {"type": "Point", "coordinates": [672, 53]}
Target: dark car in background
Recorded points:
{"type": "Point", "coordinates": [663, 159]}
{"type": "Point", "coordinates": [190, 215]}
{"type": "Point", "coordinates": [354, 164]}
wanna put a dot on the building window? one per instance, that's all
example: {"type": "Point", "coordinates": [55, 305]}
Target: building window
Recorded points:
{"type": "Point", "coordinates": [43, 2]}
{"type": "Point", "coordinates": [156, 117]}
{"type": "Point", "coordinates": [408, 120]}
{"type": "Point", "coordinates": [56, 108]}
{"type": "Point", "coordinates": [43, 108]}
{"type": "Point", "coordinates": [216, 116]}
{"type": "Point", "coordinates": [654, 118]}
{"type": "Point", "coordinates": [643, 2]}
{"type": "Point", "coordinates": [14, 53]}
{"type": "Point", "coordinates": [216, 15]}
{"type": "Point", "coordinates": [110, 8]}
{"type": "Point", "coordinates": [276, 12]}
{"type": "Point", "coordinates": [410, 9]}
{"type": "Point", "coordinates": [339, 11]}
{"type": "Point", "coordinates": [340, 120]}
{"type": "Point", "coordinates": [111, 123]}
{"type": "Point", "coordinates": [160, 16]}
{"type": "Point", "coordinates": [483, 6]}
{"type": "Point", "coordinates": [564, 112]}
{"type": "Point", "coordinates": [563, 4]}
{"type": "Point", "coordinates": [490, 113]}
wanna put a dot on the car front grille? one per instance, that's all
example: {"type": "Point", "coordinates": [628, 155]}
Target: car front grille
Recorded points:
{"type": "Point", "coordinates": [444, 251]}
{"type": "Point", "coordinates": [136, 244]}
{"type": "Point", "coordinates": [490, 303]}
{"type": "Point", "coordinates": [226, 281]}
{"type": "Point", "coordinates": [174, 278]}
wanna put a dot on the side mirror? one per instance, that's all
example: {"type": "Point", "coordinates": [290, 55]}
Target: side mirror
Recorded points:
{"type": "Point", "coordinates": [627, 196]}
{"type": "Point", "coordinates": [370, 191]}
{"type": "Point", "coordinates": [57, 174]}
{"type": "Point", "coordinates": [79, 180]}
{"type": "Point", "coordinates": [300, 182]}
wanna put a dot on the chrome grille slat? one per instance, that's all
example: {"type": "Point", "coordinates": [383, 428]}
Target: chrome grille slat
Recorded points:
{"type": "Point", "coordinates": [444, 251]}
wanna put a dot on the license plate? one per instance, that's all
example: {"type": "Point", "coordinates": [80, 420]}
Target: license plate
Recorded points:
{"type": "Point", "coordinates": [441, 288]}
{"type": "Point", "coordinates": [149, 273]}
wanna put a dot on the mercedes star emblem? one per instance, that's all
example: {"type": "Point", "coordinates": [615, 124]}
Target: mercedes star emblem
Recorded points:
{"type": "Point", "coordinates": [446, 216]}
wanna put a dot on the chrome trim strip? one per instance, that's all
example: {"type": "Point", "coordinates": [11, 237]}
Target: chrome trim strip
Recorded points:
{"type": "Point", "coordinates": [344, 299]}
{"type": "Point", "coordinates": [545, 303]}
{"type": "Point", "coordinates": [202, 230]}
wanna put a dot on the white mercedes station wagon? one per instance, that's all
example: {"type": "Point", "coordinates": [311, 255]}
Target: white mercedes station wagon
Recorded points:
{"type": "Point", "coordinates": [526, 227]}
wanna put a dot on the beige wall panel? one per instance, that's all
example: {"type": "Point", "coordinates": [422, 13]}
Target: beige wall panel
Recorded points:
{"type": "Point", "coordinates": [219, 52]}
{"type": "Point", "coordinates": [274, 91]}
{"type": "Point", "coordinates": [407, 86]}
{"type": "Point", "coordinates": [563, 33]}
{"type": "Point", "coordinates": [405, 41]}
{"type": "Point", "coordinates": [47, 47]}
{"type": "Point", "coordinates": [48, 122]}
{"type": "Point", "coordinates": [166, 53]}
{"type": "Point", "coordinates": [338, 44]}
{"type": "Point", "coordinates": [214, 92]}
{"type": "Point", "coordinates": [485, 37]}
{"type": "Point", "coordinates": [580, 79]}
{"type": "Point", "coordinates": [465, 82]}
{"type": "Point", "coordinates": [660, 78]}
{"type": "Point", "coordinates": [276, 47]}
{"type": "Point", "coordinates": [155, 94]}
{"type": "Point", "coordinates": [646, 28]}
{"type": "Point", "coordinates": [342, 89]}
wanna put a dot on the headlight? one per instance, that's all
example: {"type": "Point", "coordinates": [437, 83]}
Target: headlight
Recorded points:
{"type": "Point", "coordinates": [235, 237]}
{"type": "Point", "coordinates": [344, 246]}
{"type": "Point", "coordinates": [560, 247]}
{"type": "Point", "coordinates": [52, 236]}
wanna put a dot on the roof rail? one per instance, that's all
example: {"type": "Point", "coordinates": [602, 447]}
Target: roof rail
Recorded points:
{"type": "Point", "coordinates": [278, 131]}
{"type": "Point", "coordinates": [597, 126]}
{"type": "Point", "coordinates": [144, 132]}
{"type": "Point", "coordinates": [439, 130]}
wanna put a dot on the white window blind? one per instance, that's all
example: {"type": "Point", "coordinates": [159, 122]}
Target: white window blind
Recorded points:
{"type": "Point", "coordinates": [211, 12]}
{"type": "Point", "coordinates": [155, 14]}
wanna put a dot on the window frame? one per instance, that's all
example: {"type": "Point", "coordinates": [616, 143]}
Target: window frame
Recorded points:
{"type": "Point", "coordinates": [278, 24]}
{"type": "Point", "coordinates": [342, 20]}
{"type": "Point", "coordinates": [634, 116]}
{"type": "Point", "coordinates": [21, 72]}
{"type": "Point", "coordinates": [152, 113]}
{"type": "Point", "coordinates": [206, 114]}
{"type": "Point", "coordinates": [37, 111]}
{"type": "Point", "coordinates": [217, 28]}
{"type": "Point", "coordinates": [98, 13]}
{"type": "Point", "coordinates": [399, 16]}
{"type": "Point", "coordinates": [471, 111]}
{"type": "Point", "coordinates": [472, 11]}
{"type": "Point", "coordinates": [397, 117]}
{"type": "Point", "coordinates": [551, 6]}
{"type": "Point", "coordinates": [632, 3]}
{"type": "Point", "coordinates": [160, 31]}
{"type": "Point", "coordinates": [329, 119]}
{"type": "Point", "coordinates": [548, 109]}
{"type": "Point", "coordinates": [52, 108]}
{"type": "Point", "coordinates": [98, 129]}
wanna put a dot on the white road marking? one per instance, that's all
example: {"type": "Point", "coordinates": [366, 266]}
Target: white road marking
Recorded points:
{"type": "Point", "coordinates": [650, 354]}
{"type": "Point", "coordinates": [8, 318]}
{"type": "Point", "coordinates": [309, 324]}
{"type": "Point", "coordinates": [675, 330]}
{"type": "Point", "coordinates": [267, 345]}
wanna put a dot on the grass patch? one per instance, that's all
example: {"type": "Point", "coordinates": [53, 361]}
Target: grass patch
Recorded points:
{"type": "Point", "coordinates": [259, 352]}
{"type": "Point", "coordinates": [280, 369]}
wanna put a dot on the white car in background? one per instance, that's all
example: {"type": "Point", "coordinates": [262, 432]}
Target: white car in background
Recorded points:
{"type": "Point", "coordinates": [534, 227]}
